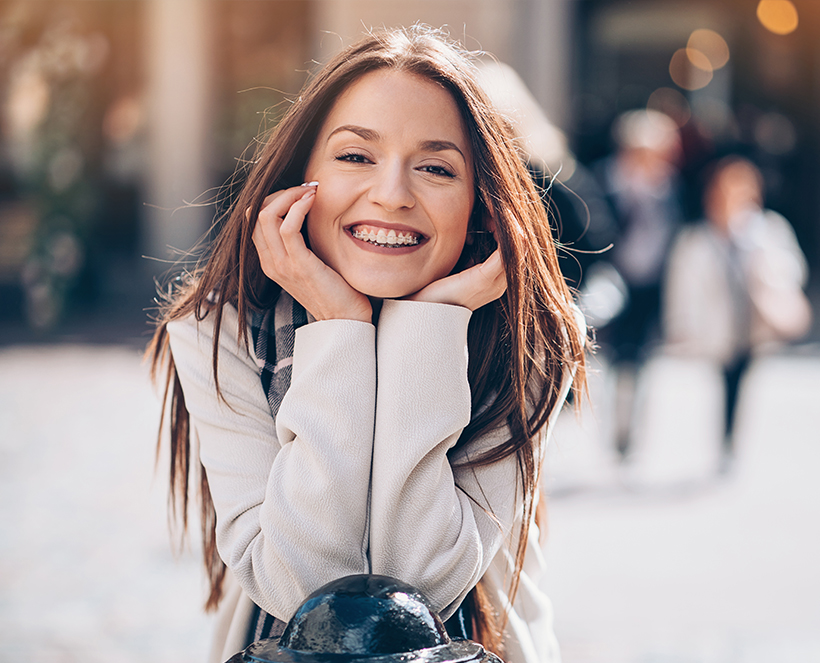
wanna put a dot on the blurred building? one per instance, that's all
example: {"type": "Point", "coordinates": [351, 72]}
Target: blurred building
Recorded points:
{"type": "Point", "coordinates": [737, 75]}
{"type": "Point", "coordinates": [121, 119]}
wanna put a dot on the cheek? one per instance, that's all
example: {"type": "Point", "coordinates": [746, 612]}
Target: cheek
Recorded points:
{"type": "Point", "coordinates": [462, 223]}
{"type": "Point", "coordinates": [455, 231]}
{"type": "Point", "coordinates": [312, 167]}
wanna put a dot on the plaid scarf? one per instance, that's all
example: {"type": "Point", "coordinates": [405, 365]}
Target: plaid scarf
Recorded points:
{"type": "Point", "coordinates": [273, 332]}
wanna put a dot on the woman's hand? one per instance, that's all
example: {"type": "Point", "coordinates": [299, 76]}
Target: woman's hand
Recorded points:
{"type": "Point", "coordinates": [286, 259]}
{"type": "Point", "coordinates": [472, 288]}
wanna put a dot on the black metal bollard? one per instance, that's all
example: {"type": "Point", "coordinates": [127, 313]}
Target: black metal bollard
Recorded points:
{"type": "Point", "coordinates": [361, 619]}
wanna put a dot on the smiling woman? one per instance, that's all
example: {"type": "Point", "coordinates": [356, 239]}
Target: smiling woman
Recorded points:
{"type": "Point", "coordinates": [390, 162]}
{"type": "Point", "coordinates": [371, 360]}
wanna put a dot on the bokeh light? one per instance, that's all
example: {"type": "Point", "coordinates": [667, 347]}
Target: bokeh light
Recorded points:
{"type": "Point", "coordinates": [699, 59]}
{"type": "Point", "coordinates": [778, 16]}
{"type": "Point", "coordinates": [29, 98]}
{"type": "Point", "coordinates": [123, 119]}
{"type": "Point", "coordinates": [710, 44]}
{"type": "Point", "coordinates": [672, 103]}
{"type": "Point", "coordinates": [690, 69]}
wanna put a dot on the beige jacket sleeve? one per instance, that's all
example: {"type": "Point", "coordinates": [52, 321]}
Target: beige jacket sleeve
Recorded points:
{"type": "Point", "coordinates": [297, 504]}
{"type": "Point", "coordinates": [425, 528]}
{"type": "Point", "coordinates": [291, 500]}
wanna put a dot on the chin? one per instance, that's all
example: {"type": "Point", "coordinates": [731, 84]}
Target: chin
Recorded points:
{"type": "Point", "coordinates": [385, 292]}
{"type": "Point", "coordinates": [384, 289]}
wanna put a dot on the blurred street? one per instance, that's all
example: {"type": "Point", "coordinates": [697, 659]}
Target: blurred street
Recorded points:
{"type": "Point", "coordinates": [659, 561]}
{"type": "Point", "coordinates": [663, 560]}
{"type": "Point", "coordinates": [87, 573]}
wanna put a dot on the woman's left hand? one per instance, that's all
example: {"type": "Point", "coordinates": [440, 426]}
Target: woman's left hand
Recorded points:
{"type": "Point", "coordinates": [472, 288]}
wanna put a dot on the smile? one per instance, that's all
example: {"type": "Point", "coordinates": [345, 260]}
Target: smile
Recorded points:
{"type": "Point", "coordinates": [382, 237]}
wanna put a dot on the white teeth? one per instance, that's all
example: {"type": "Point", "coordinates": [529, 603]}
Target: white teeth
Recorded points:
{"type": "Point", "coordinates": [382, 237]}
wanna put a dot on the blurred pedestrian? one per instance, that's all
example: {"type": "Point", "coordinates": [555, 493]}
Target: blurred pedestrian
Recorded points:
{"type": "Point", "coordinates": [417, 250]}
{"type": "Point", "coordinates": [641, 182]}
{"type": "Point", "coordinates": [735, 281]}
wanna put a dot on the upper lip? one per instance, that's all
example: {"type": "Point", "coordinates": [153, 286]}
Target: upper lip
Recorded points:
{"type": "Point", "coordinates": [398, 227]}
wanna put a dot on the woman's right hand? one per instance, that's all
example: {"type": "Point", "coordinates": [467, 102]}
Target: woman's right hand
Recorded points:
{"type": "Point", "coordinates": [286, 259]}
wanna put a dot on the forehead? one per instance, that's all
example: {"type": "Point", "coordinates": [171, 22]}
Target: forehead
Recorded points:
{"type": "Point", "coordinates": [399, 102]}
{"type": "Point", "coordinates": [739, 174]}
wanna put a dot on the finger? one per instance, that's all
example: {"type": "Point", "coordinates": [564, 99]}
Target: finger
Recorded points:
{"type": "Point", "coordinates": [493, 279]}
{"type": "Point", "coordinates": [271, 253]}
{"type": "Point", "coordinates": [266, 236]}
{"type": "Point", "coordinates": [492, 269]}
{"type": "Point", "coordinates": [265, 203]}
{"type": "Point", "coordinates": [275, 208]}
{"type": "Point", "coordinates": [291, 228]}
{"type": "Point", "coordinates": [279, 202]}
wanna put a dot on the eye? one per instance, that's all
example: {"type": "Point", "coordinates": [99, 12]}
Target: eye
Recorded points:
{"type": "Point", "coordinates": [353, 157]}
{"type": "Point", "coordinates": [434, 169]}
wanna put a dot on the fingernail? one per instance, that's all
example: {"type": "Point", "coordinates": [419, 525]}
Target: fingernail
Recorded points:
{"type": "Point", "coordinates": [308, 194]}
{"type": "Point", "coordinates": [314, 183]}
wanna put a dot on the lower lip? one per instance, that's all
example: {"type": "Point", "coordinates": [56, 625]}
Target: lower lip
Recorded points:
{"type": "Point", "coordinates": [386, 250]}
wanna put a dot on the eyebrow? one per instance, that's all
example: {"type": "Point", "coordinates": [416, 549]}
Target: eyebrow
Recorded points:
{"type": "Point", "coordinates": [367, 134]}
{"type": "Point", "coordinates": [372, 135]}
{"type": "Point", "coordinates": [441, 146]}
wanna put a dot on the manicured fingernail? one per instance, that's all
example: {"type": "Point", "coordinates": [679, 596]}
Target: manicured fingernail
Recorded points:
{"type": "Point", "coordinates": [308, 194]}
{"type": "Point", "coordinates": [314, 183]}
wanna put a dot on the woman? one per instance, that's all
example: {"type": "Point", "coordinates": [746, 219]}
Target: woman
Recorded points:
{"type": "Point", "coordinates": [735, 283]}
{"type": "Point", "coordinates": [321, 355]}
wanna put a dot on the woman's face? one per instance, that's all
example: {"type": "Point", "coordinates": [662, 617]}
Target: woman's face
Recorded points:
{"type": "Point", "coordinates": [734, 190]}
{"type": "Point", "coordinates": [395, 190]}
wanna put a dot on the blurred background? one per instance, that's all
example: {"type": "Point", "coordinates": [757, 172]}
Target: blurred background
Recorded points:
{"type": "Point", "coordinates": [685, 514]}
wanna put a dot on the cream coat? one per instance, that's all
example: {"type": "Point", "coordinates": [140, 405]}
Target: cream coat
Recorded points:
{"type": "Point", "coordinates": [699, 302]}
{"type": "Point", "coordinates": [354, 478]}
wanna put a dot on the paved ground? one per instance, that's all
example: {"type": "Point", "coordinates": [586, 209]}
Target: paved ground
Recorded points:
{"type": "Point", "coordinates": [663, 561]}
{"type": "Point", "coordinates": [86, 570]}
{"type": "Point", "coordinates": [660, 562]}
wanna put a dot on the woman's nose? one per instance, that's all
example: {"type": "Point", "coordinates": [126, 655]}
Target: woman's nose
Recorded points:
{"type": "Point", "coordinates": [391, 188]}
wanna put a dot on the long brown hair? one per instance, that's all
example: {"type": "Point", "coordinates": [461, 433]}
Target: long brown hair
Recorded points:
{"type": "Point", "coordinates": [533, 335]}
